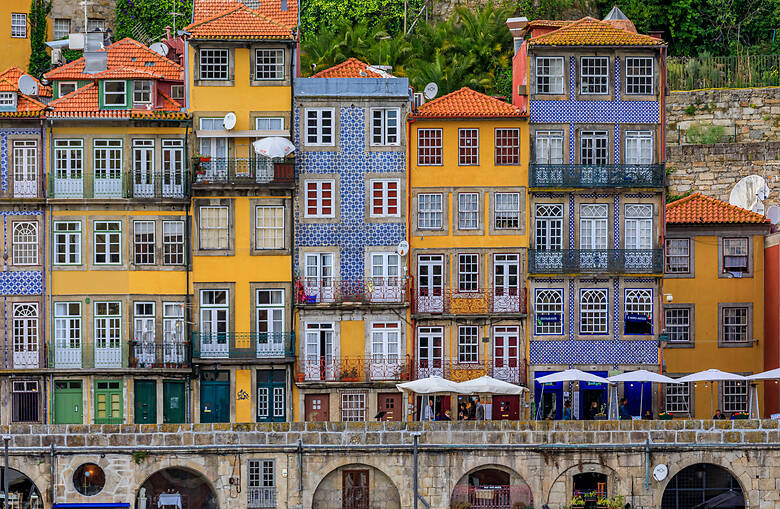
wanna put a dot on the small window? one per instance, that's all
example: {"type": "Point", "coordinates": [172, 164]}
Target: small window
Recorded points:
{"type": "Point", "coordinates": [385, 198]}
{"type": "Point", "coordinates": [549, 75]}
{"type": "Point", "coordinates": [89, 479]}
{"type": "Point", "coordinates": [548, 309]}
{"type": "Point", "coordinates": [25, 239]}
{"type": "Point", "coordinates": [214, 64]}
{"type": "Point", "coordinates": [468, 211]}
{"type": "Point", "coordinates": [177, 92]}
{"type": "Point", "coordinates": [269, 64]}
{"type": "Point", "coordinates": [639, 147]}
{"type": "Point", "coordinates": [18, 24]}
{"type": "Point", "coordinates": [677, 324]}
{"type": "Point", "coordinates": [319, 198]}
{"type": "Point", "coordinates": [173, 242]}
{"type": "Point", "coordinates": [212, 124]}
{"type": "Point", "coordinates": [67, 242]}
{"type": "Point", "coordinates": [468, 272]}
{"type": "Point", "coordinates": [429, 147]}
{"type": "Point", "coordinates": [594, 311]}
{"type": "Point", "coordinates": [468, 344]}
{"type": "Point", "coordinates": [319, 127]}
{"type": "Point", "coordinates": [468, 147]}
{"type": "Point", "coordinates": [269, 227]}
{"type": "Point", "coordinates": [639, 75]}
{"type": "Point", "coordinates": [735, 255]}
{"type": "Point", "coordinates": [429, 211]}
{"type": "Point", "coordinates": [66, 87]}
{"type": "Point", "coordinates": [385, 126]}
{"type": "Point", "coordinates": [678, 399]}
{"type": "Point", "coordinates": [507, 146]}
{"type": "Point", "coordinates": [144, 242]}
{"type": "Point", "coordinates": [8, 99]}
{"type": "Point", "coordinates": [261, 484]}
{"type": "Point", "coordinates": [638, 312]}
{"type": "Point", "coordinates": [353, 406]}
{"type": "Point", "coordinates": [214, 231]}
{"type": "Point", "coordinates": [269, 123]}
{"type": "Point", "coordinates": [507, 211]}
{"type": "Point", "coordinates": [95, 24]}
{"type": "Point", "coordinates": [594, 147]}
{"type": "Point", "coordinates": [735, 324]}
{"type": "Point", "coordinates": [61, 28]}
{"type": "Point", "coordinates": [678, 256]}
{"type": "Point", "coordinates": [594, 75]}
{"type": "Point", "coordinates": [108, 242]}
{"type": "Point", "coordinates": [114, 93]}
{"type": "Point", "coordinates": [735, 396]}
{"type": "Point", "coordinates": [142, 92]}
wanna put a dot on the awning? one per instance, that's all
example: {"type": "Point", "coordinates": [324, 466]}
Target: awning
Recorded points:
{"type": "Point", "coordinates": [431, 385]}
{"type": "Point", "coordinates": [490, 385]}
{"type": "Point", "coordinates": [572, 375]}
{"type": "Point", "coordinates": [642, 375]}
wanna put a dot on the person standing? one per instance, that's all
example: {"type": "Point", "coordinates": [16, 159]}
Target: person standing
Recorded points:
{"type": "Point", "coordinates": [480, 410]}
{"type": "Point", "coordinates": [623, 410]}
{"type": "Point", "coordinates": [567, 410]}
{"type": "Point", "coordinates": [428, 412]}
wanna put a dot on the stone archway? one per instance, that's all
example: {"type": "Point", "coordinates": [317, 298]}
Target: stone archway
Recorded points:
{"type": "Point", "coordinates": [702, 483]}
{"type": "Point", "coordinates": [23, 489]}
{"type": "Point", "coordinates": [176, 488]}
{"type": "Point", "coordinates": [356, 486]}
{"type": "Point", "coordinates": [562, 489]}
{"type": "Point", "coordinates": [491, 487]}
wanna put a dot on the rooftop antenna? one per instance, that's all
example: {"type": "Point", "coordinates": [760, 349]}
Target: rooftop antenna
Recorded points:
{"type": "Point", "coordinates": [84, 3]}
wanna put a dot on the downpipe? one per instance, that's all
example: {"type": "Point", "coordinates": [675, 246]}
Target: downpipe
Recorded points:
{"type": "Point", "coordinates": [415, 438]}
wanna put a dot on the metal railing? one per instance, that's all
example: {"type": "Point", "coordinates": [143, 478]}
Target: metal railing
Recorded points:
{"type": "Point", "coordinates": [243, 345]}
{"type": "Point", "coordinates": [133, 184]}
{"type": "Point", "coordinates": [484, 301]}
{"type": "Point", "coordinates": [455, 369]}
{"type": "Point", "coordinates": [168, 354]}
{"type": "Point", "coordinates": [367, 291]}
{"type": "Point", "coordinates": [611, 261]}
{"type": "Point", "coordinates": [242, 171]}
{"type": "Point", "coordinates": [64, 355]}
{"type": "Point", "coordinates": [492, 496]}
{"type": "Point", "coordinates": [738, 71]}
{"type": "Point", "coordinates": [261, 498]}
{"type": "Point", "coordinates": [597, 176]}
{"type": "Point", "coordinates": [354, 369]}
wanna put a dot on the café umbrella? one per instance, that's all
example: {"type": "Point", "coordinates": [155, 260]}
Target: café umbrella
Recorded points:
{"type": "Point", "coordinates": [711, 375]}
{"type": "Point", "coordinates": [490, 385]}
{"type": "Point", "coordinates": [274, 147]}
{"type": "Point", "coordinates": [642, 376]}
{"type": "Point", "coordinates": [431, 385]}
{"type": "Point", "coordinates": [570, 375]}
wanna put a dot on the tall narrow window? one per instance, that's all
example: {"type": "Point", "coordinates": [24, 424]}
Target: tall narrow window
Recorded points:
{"type": "Point", "coordinates": [108, 242]}
{"type": "Point", "coordinates": [639, 226]}
{"type": "Point", "coordinates": [429, 147]}
{"type": "Point", "coordinates": [549, 147]}
{"type": "Point", "coordinates": [385, 350]}
{"type": "Point", "coordinates": [549, 75]}
{"type": "Point", "coordinates": [144, 242]}
{"type": "Point", "coordinates": [468, 211]}
{"type": "Point", "coordinates": [385, 198]}
{"type": "Point", "coordinates": [269, 315]}
{"type": "Point", "coordinates": [25, 168]}
{"type": "Point", "coordinates": [549, 226]}
{"type": "Point", "coordinates": [468, 147]}
{"type": "Point", "coordinates": [214, 231]}
{"type": "Point", "coordinates": [25, 241]}
{"type": "Point", "coordinates": [429, 211]}
{"type": "Point", "coordinates": [269, 227]}
{"type": "Point", "coordinates": [507, 146]}
{"type": "Point", "coordinates": [639, 147]}
{"type": "Point", "coordinates": [548, 308]}
{"type": "Point", "coordinates": [638, 312]}
{"type": "Point", "coordinates": [261, 483]}
{"type": "Point", "coordinates": [593, 226]}
{"type": "Point", "coordinates": [385, 126]}
{"type": "Point", "coordinates": [67, 242]}
{"type": "Point", "coordinates": [67, 334]}
{"type": "Point", "coordinates": [594, 311]}
{"type": "Point", "coordinates": [108, 334]}
{"type": "Point", "coordinates": [468, 272]}
{"type": "Point", "coordinates": [173, 242]}
{"type": "Point", "coordinates": [108, 168]}
{"type": "Point", "coordinates": [468, 344]}
{"type": "Point", "coordinates": [25, 335]}
{"type": "Point", "coordinates": [677, 322]}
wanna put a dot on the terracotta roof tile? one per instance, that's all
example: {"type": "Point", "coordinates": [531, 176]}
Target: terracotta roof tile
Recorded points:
{"type": "Point", "coordinates": [467, 103]}
{"type": "Point", "coordinates": [7, 86]}
{"type": "Point", "coordinates": [25, 105]}
{"type": "Point", "coordinates": [549, 23]}
{"type": "Point", "coordinates": [700, 209]}
{"type": "Point", "coordinates": [206, 9]}
{"type": "Point", "coordinates": [12, 74]}
{"type": "Point", "coordinates": [128, 73]}
{"type": "Point", "coordinates": [84, 103]}
{"type": "Point", "coordinates": [352, 68]}
{"type": "Point", "coordinates": [240, 22]}
{"type": "Point", "coordinates": [592, 32]}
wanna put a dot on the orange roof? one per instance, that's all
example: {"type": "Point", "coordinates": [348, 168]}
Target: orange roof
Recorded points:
{"type": "Point", "coordinates": [592, 32]}
{"type": "Point", "coordinates": [7, 86]}
{"type": "Point", "coordinates": [352, 68]}
{"type": "Point", "coordinates": [84, 102]}
{"type": "Point", "coordinates": [700, 209]}
{"type": "Point", "coordinates": [12, 74]}
{"type": "Point", "coordinates": [26, 106]}
{"type": "Point", "coordinates": [125, 73]}
{"type": "Point", "coordinates": [123, 54]}
{"type": "Point", "coordinates": [207, 9]}
{"type": "Point", "coordinates": [467, 103]}
{"type": "Point", "coordinates": [240, 22]}
{"type": "Point", "coordinates": [549, 23]}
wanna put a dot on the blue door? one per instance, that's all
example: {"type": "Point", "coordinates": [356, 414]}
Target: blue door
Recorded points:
{"type": "Point", "coordinates": [590, 392]}
{"type": "Point", "coordinates": [551, 399]}
{"type": "Point", "coordinates": [637, 392]}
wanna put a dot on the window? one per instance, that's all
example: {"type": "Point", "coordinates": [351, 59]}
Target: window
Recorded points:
{"type": "Point", "coordinates": [8, 99]}
{"type": "Point", "coordinates": [66, 87]}
{"type": "Point", "coordinates": [468, 344]}
{"type": "Point", "coordinates": [468, 211]}
{"type": "Point", "coordinates": [173, 327]}
{"type": "Point", "coordinates": [638, 312]}
{"type": "Point", "coordinates": [385, 123]}
{"type": "Point", "coordinates": [269, 64]}
{"type": "Point", "coordinates": [25, 168]}
{"type": "Point", "coordinates": [678, 256]}
{"type": "Point", "coordinates": [269, 227]}
{"type": "Point", "coordinates": [25, 243]}
{"type": "Point", "coordinates": [639, 226]}
{"type": "Point", "coordinates": [25, 335]}
{"type": "Point", "coordinates": [678, 398]}
{"type": "Point", "coordinates": [639, 75]}
{"type": "Point", "coordinates": [319, 198]}
{"type": "Point", "coordinates": [549, 226]}
{"type": "Point", "coordinates": [108, 242]}
{"type": "Point", "coordinates": [319, 127]}
{"type": "Point", "coordinates": [385, 348]}
{"type": "Point", "coordinates": [67, 334]}
{"type": "Point", "coordinates": [214, 232]}
{"type": "Point", "coordinates": [18, 24]}
{"type": "Point", "coordinates": [144, 330]}
{"type": "Point", "coordinates": [549, 147]}
{"type": "Point", "coordinates": [353, 406]}
{"type": "Point", "coordinates": [61, 28]}
{"type": "Point", "coordinates": [269, 123]}
{"type": "Point", "coordinates": [468, 147]}
{"type": "Point", "coordinates": [429, 211]}
{"type": "Point", "coordinates": [173, 242]}
{"type": "Point", "coordinates": [468, 272]}
{"type": "Point", "coordinates": [507, 146]}
{"type": "Point", "coordinates": [319, 270]}
{"type": "Point", "coordinates": [261, 484]}
{"type": "Point", "coordinates": [593, 226]}
{"type": "Point", "coordinates": [144, 244]}
{"type": "Point", "coordinates": [177, 92]}
{"type": "Point", "coordinates": [548, 308]}
{"type": "Point", "coordinates": [677, 324]}
{"type": "Point", "coordinates": [429, 147]}
{"type": "Point", "coordinates": [68, 164]}
{"type": "Point", "coordinates": [735, 255]}
{"type": "Point", "coordinates": [384, 198]}
{"type": "Point", "coordinates": [114, 93]}
{"type": "Point", "coordinates": [735, 396]}
{"type": "Point", "coordinates": [269, 313]}
{"type": "Point", "coordinates": [25, 401]}
{"type": "Point", "coordinates": [214, 64]}
{"type": "Point", "coordinates": [594, 147]}
{"type": "Point", "coordinates": [735, 325]}
{"type": "Point", "coordinates": [507, 212]}
{"type": "Point", "coordinates": [142, 92]}
{"type": "Point", "coordinates": [639, 147]}
{"type": "Point", "coordinates": [107, 155]}
{"type": "Point", "coordinates": [94, 24]}
{"type": "Point", "coordinates": [549, 75]}
{"type": "Point", "coordinates": [594, 311]}
{"type": "Point", "coordinates": [594, 75]}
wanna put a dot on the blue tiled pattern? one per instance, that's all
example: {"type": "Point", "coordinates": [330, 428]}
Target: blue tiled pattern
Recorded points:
{"type": "Point", "coordinates": [616, 227]}
{"type": "Point", "coordinates": [616, 309]}
{"type": "Point", "coordinates": [21, 282]}
{"type": "Point", "coordinates": [5, 155]}
{"type": "Point", "coordinates": [633, 351]}
{"type": "Point", "coordinates": [572, 300]}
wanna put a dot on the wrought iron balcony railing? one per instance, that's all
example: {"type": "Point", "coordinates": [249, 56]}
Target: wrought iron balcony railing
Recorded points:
{"type": "Point", "coordinates": [595, 176]}
{"type": "Point", "coordinates": [485, 301]}
{"type": "Point", "coordinates": [510, 369]}
{"type": "Point", "coordinates": [610, 261]}
{"type": "Point", "coordinates": [375, 290]}
{"type": "Point", "coordinates": [492, 496]}
{"type": "Point", "coordinates": [172, 184]}
{"type": "Point", "coordinates": [168, 354]}
{"type": "Point", "coordinates": [376, 368]}
{"type": "Point", "coordinates": [67, 354]}
{"type": "Point", "coordinates": [242, 171]}
{"type": "Point", "coordinates": [243, 345]}
{"type": "Point", "coordinates": [261, 498]}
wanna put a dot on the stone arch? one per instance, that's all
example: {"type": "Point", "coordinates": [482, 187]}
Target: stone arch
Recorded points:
{"type": "Point", "coordinates": [514, 490]}
{"type": "Point", "coordinates": [23, 486]}
{"type": "Point", "coordinates": [40, 477]}
{"type": "Point", "coordinates": [195, 489]}
{"type": "Point", "coordinates": [365, 485]}
{"type": "Point", "coordinates": [682, 463]}
{"type": "Point", "coordinates": [562, 488]}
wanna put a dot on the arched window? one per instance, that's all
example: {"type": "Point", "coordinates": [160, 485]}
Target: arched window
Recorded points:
{"type": "Point", "coordinates": [549, 311]}
{"type": "Point", "coordinates": [25, 239]}
{"type": "Point", "coordinates": [703, 485]}
{"type": "Point", "coordinates": [638, 316]}
{"type": "Point", "coordinates": [594, 311]}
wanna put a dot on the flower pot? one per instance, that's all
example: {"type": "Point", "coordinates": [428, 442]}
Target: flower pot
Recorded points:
{"type": "Point", "coordinates": [204, 159]}
{"type": "Point", "coordinates": [300, 377]}
{"type": "Point", "coordinates": [666, 417]}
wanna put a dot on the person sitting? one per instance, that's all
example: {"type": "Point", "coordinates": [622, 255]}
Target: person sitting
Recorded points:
{"type": "Point", "coordinates": [623, 410]}
{"type": "Point", "coordinates": [567, 410]}
{"type": "Point", "coordinates": [648, 416]}
{"type": "Point", "coordinates": [593, 411]}
{"type": "Point", "coordinates": [718, 415]}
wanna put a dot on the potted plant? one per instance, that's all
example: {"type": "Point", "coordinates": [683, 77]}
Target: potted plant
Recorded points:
{"type": "Point", "coordinates": [577, 502]}
{"type": "Point", "coordinates": [740, 415]}
{"type": "Point", "coordinates": [349, 374]}
{"type": "Point", "coordinates": [666, 416]}
{"type": "Point", "coordinates": [603, 503]}
{"type": "Point", "coordinates": [616, 502]}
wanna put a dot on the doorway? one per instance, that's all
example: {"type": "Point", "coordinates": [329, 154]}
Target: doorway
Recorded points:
{"type": "Point", "coordinates": [145, 401]}
{"type": "Point", "coordinates": [317, 407]}
{"type": "Point", "coordinates": [173, 402]}
{"type": "Point", "coordinates": [214, 396]}
{"type": "Point", "coordinates": [68, 402]}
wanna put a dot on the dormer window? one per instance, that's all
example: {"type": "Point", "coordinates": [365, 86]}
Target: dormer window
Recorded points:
{"type": "Point", "coordinates": [66, 87]}
{"type": "Point", "coordinates": [142, 92]}
{"type": "Point", "coordinates": [7, 100]}
{"type": "Point", "coordinates": [114, 93]}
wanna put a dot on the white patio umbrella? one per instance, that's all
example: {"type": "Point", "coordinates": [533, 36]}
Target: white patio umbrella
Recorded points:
{"type": "Point", "coordinates": [490, 385]}
{"type": "Point", "coordinates": [642, 376]}
{"type": "Point", "coordinates": [711, 375]}
{"type": "Point", "coordinates": [772, 374]}
{"type": "Point", "coordinates": [432, 385]}
{"type": "Point", "coordinates": [570, 375]}
{"type": "Point", "coordinates": [273, 147]}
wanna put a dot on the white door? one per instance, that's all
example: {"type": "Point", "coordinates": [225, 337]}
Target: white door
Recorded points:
{"type": "Point", "coordinates": [25, 169]}
{"type": "Point", "coordinates": [430, 361]}
{"type": "Point", "coordinates": [319, 283]}
{"type": "Point", "coordinates": [385, 350]}
{"type": "Point", "coordinates": [318, 355]}
{"type": "Point", "coordinates": [430, 283]}
{"type": "Point", "coordinates": [269, 312]}
{"type": "Point", "coordinates": [174, 346]}
{"type": "Point", "coordinates": [172, 169]}
{"type": "Point", "coordinates": [216, 169]}
{"type": "Point", "coordinates": [108, 334]}
{"type": "Point", "coordinates": [108, 168]}
{"type": "Point", "coordinates": [67, 335]}
{"type": "Point", "coordinates": [214, 332]}
{"type": "Point", "coordinates": [143, 327]}
{"type": "Point", "coordinates": [143, 168]}
{"type": "Point", "coordinates": [25, 333]}
{"type": "Point", "coordinates": [385, 284]}
{"type": "Point", "coordinates": [68, 168]}
{"type": "Point", "coordinates": [506, 283]}
{"type": "Point", "coordinates": [506, 354]}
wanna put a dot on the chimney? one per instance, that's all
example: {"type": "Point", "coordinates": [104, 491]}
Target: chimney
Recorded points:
{"type": "Point", "coordinates": [168, 32]}
{"type": "Point", "coordinates": [517, 28]}
{"type": "Point", "coordinates": [284, 6]}
{"type": "Point", "coordinates": [95, 57]}
{"type": "Point", "coordinates": [658, 34]}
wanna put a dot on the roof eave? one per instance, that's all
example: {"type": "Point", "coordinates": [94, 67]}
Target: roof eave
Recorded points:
{"type": "Point", "coordinates": [646, 46]}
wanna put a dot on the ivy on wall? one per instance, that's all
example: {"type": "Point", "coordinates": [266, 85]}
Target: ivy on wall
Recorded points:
{"type": "Point", "coordinates": [40, 62]}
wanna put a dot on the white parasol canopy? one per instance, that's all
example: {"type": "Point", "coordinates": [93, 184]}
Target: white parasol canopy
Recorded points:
{"type": "Point", "coordinates": [642, 375]}
{"type": "Point", "coordinates": [488, 384]}
{"type": "Point", "coordinates": [431, 385]}
{"type": "Point", "coordinates": [572, 375]}
{"type": "Point", "coordinates": [772, 374]}
{"type": "Point", "coordinates": [274, 147]}
{"type": "Point", "coordinates": [710, 375]}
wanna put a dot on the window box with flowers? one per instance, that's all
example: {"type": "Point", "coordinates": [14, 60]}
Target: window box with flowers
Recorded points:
{"type": "Point", "coordinates": [665, 416]}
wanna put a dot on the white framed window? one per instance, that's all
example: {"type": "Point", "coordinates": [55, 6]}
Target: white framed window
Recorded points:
{"type": "Point", "coordinates": [639, 226]}
{"type": "Point", "coordinates": [549, 226]}
{"type": "Point", "coordinates": [320, 127]}
{"type": "Point", "coordinates": [385, 268]}
{"type": "Point", "coordinates": [678, 399]}
{"type": "Point", "coordinates": [548, 310]}
{"type": "Point", "coordinates": [353, 406]}
{"type": "Point", "coordinates": [211, 124]}
{"type": "Point", "coordinates": [639, 147]}
{"type": "Point", "coordinates": [735, 255]}
{"type": "Point", "coordinates": [735, 324]}
{"type": "Point", "coordinates": [429, 211]}
{"type": "Point", "coordinates": [468, 147]}
{"type": "Point", "coordinates": [549, 147]}
{"type": "Point", "coordinates": [214, 231]}
{"type": "Point", "coordinates": [67, 326]}
{"type": "Point", "coordinates": [549, 75]}
{"type": "Point", "coordinates": [8, 99]}
{"type": "Point", "coordinates": [429, 147]}
{"type": "Point", "coordinates": [67, 243]}
{"type": "Point", "coordinates": [25, 168]}
{"type": "Point", "coordinates": [594, 147]}
{"type": "Point", "coordinates": [677, 324]}
{"type": "Point", "coordinates": [269, 64]}
{"type": "Point", "coordinates": [214, 64]}
{"type": "Point", "coordinates": [593, 226]}
{"type": "Point", "coordinates": [214, 318]}
{"type": "Point", "coordinates": [18, 24]}
{"type": "Point", "coordinates": [385, 126]}
{"type": "Point", "coordinates": [66, 87]}
{"type": "Point", "coordinates": [594, 311]}
{"type": "Point", "coordinates": [177, 92]}
{"type": "Point", "coordinates": [507, 211]}
{"type": "Point", "coordinates": [468, 344]}
{"type": "Point", "coordinates": [173, 327]}
{"type": "Point", "coordinates": [385, 198]}
{"type": "Point", "coordinates": [678, 256]}
{"type": "Point", "coordinates": [261, 480]}
{"type": "Point", "coordinates": [385, 344]}
{"type": "Point", "coordinates": [269, 227]}
{"type": "Point", "coordinates": [108, 325]}
{"type": "Point", "coordinates": [144, 242]}
{"type": "Point", "coordinates": [735, 396]}
{"type": "Point", "coordinates": [25, 239]}
{"type": "Point", "coordinates": [508, 146]}
{"type": "Point", "coordinates": [68, 159]}
{"type": "Point", "coordinates": [319, 270]}
{"type": "Point", "coordinates": [95, 24]}
{"type": "Point", "coordinates": [468, 211]}
{"type": "Point", "coordinates": [143, 325]}
{"type": "Point", "coordinates": [173, 242]}
{"type": "Point", "coordinates": [468, 272]}
{"type": "Point", "coordinates": [142, 92]}
{"type": "Point", "coordinates": [61, 28]}
{"type": "Point", "coordinates": [269, 123]}
{"type": "Point", "coordinates": [107, 161]}
{"type": "Point", "coordinates": [638, 311]}
{"type": "Point", "coordinates": [594, 75]}
{"type": "Point", "coordinates": [639, 75]}
{"type": "Point", "coordinates": [25, 333]}
{"type": "Point", "coordinates": [108, 242]}
{"type": "Point", "coordinates": [320, 198]}
{"type": "Point", "coordinates": [269, 314]}
{"type": "Point", "coordinates": [115, 93]}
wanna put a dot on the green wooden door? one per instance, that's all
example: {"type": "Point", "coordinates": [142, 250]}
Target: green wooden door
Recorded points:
{"type": "Point", "coordinates": [108, 402]}
{"type": "Point", "coordinates": [145, 401]}
{"type": "Point", "coordinates": [215, 396]}
{"type": "Point", "coordinates": [173, 402]}
{"type": "Point", "coordinates": [68, 402]}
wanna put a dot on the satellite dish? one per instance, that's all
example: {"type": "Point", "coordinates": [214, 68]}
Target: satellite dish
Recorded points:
{"type": "Point", "coordinates": [430, 90]}
{"type": "Point", "coordinates": [159, 48]}
{"type": "Point", "coordinates": [403, 248]}
{"type": "Point", "coordinates": [773, 213]}
{"type": "Point", "coordinates": [749, 193]}
{"type": "Point", "coordinates": [28, 85]}
{"type": "Point", "coordinates": [229, 122]}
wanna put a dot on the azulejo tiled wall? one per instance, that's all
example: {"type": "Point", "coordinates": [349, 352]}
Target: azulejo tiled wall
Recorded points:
{"type": "Point", "coordinates": [612, 352]}
{"type": "Point", "coordinates": [19, 282]}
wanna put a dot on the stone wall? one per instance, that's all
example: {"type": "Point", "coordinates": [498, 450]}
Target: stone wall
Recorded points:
{"type": "Point", "coordinates": [74, 11]}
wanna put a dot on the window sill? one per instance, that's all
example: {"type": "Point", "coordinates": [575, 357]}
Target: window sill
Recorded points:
{"type": "Point", "coordinates": [215, 83]}
{"type": "Point", "coordinates": [746, 344]}
{"type": "Point", "coordinates": [679, 345]}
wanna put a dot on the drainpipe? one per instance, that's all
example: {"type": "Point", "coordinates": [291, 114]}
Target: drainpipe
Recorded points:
{"type": "Point", "coordinates": [647, 465]}
{"type": "Point", "coordinates": [188, 268]}
{"type": "Point", "coordinates": [415, 438]}
{"type": "Point", "coordinates": [291, 370]}
{"type": "Point", "coordinates": [52, 473]}
{"type": "Point", "coordinates": [42, 190]}
{"type": "Point", "coordinates": [409, 254]}
{"type": "Point", "coordinates": [300, 465]}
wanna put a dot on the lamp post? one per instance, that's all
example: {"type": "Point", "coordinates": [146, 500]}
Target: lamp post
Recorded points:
{"type": "Point", "coordinates": [6, 439]}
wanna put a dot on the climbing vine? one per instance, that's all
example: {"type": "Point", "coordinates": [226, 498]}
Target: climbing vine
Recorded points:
{"type": "Point", "coordinates": [145, 20]}
{"type": "Point", "coordinates": [39, 59]}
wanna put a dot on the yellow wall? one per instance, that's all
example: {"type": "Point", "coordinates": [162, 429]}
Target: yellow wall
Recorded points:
{"type": "Point", "coordinates": [243, 395]}
{"type": "Point", "coordinates": [15, 50]}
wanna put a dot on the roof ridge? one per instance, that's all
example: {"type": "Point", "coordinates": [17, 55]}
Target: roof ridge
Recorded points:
{"type": "Point", "coordinates": [601, 23]}
{"type": "Point", "coordinates": [239, 7]}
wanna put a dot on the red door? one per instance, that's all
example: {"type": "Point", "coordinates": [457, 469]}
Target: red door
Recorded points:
{"type": "Point", "coordinates": [317, 407]}
{"type": "Point", "coordinates": [506, 408]}
{"type": "Point", "coordinates": [390, 403]}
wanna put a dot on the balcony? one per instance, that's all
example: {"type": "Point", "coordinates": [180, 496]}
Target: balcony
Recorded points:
{"type": "Point", "coordinates": [137, 185]}
{"type": "Point", "coordinates": [588, 261]}
{"type": "Point", "coordinates": [353, 291]}
{"type": "Point", "coordinates": [510, 370]}
{"type": "Point", "coordinates": [111, 355]}
{"type": "Point", "coordinates": [492, 496]}
{"type": "Point", "coordinates": [261, 498]}
{"type": "Point", "coordinates": [168, 354]}
{"type": "Point", "coordinates": [485, 301]}
{"type": "Point", "coordinates": [377, 368]}
{"type": "Point", "coordinates": [243, 345]}
{"type": "Point", "coordinates": [597, 176]}
{"type": "Point", "coordinates": [242, 171]}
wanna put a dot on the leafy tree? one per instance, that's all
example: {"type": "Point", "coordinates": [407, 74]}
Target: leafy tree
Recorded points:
{"type": "Point", "coordinates": [146, 20]}
{"type": "Point", "coordinates": [40, 61]}
{"type": "Point", "coordinates": [318, 16]}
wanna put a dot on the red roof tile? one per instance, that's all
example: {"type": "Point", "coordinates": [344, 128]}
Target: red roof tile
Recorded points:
{"type": "Point", "coordinates": [352, 68]}
{"type": "Point", "coordinates": [123, 73]}
{"type": "Point", "coordinates": [592, 32]}
{"type": "Point", "coordinates": [700, 209]}
{"type": "Point", "coordinates": [84, 102]}
{"type": "Point", "coordinates": [25, 105]}
{"type": "Point", "coordinates": [12, 74]}
{"type": "Point", "coordinates": [207, 9]}
{"type": "Point", "coordinates": [240, 22]}
{"type": "Point", "coordinates": [467, 103]}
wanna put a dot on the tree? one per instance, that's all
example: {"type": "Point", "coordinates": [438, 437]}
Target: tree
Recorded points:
{"type": "Point", "coordinates": [145, 20]}
{"type": "Point", "coordinates": [40, 62]}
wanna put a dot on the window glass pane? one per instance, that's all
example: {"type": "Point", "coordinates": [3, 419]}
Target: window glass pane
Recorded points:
{"type": "Point", "coordinates": [429, 147]}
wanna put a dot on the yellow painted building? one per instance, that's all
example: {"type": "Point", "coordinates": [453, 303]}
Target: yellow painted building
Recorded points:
{"type": "Point", "coordinates": [15, 39]}
{"type": "Point", "coordinates": [713, 303]}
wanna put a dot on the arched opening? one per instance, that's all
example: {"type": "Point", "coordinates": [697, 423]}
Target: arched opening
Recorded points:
{"type": "Point", "coordinates": [176, 488]}
{"type": "Point", "coordinates": [590, 487]}
{"type": "Point", "coordinates": [491, 488]}
{"type": "Point", "coordinates": [22, 491]}
{"type": "Point", "coordinates": [703, 486]}
{"type": "Point", "coordinates": [356, 486]}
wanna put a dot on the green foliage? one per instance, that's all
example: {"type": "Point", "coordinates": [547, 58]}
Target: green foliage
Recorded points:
{"type": "Point", "coordinates": [139, 456]}
{"type": "Point", "coordinates": [318, 16]}
{"type": "Point", "coordinates": [71, 54]}
{"type": "Point", "coordinates": [699, 134]}
{"type": "Point", "coordinates": [145, 20]}
{"type": "Point", "coordinates": [40, 62]}
{"type": "Point", "coordinates": [690, 110]}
